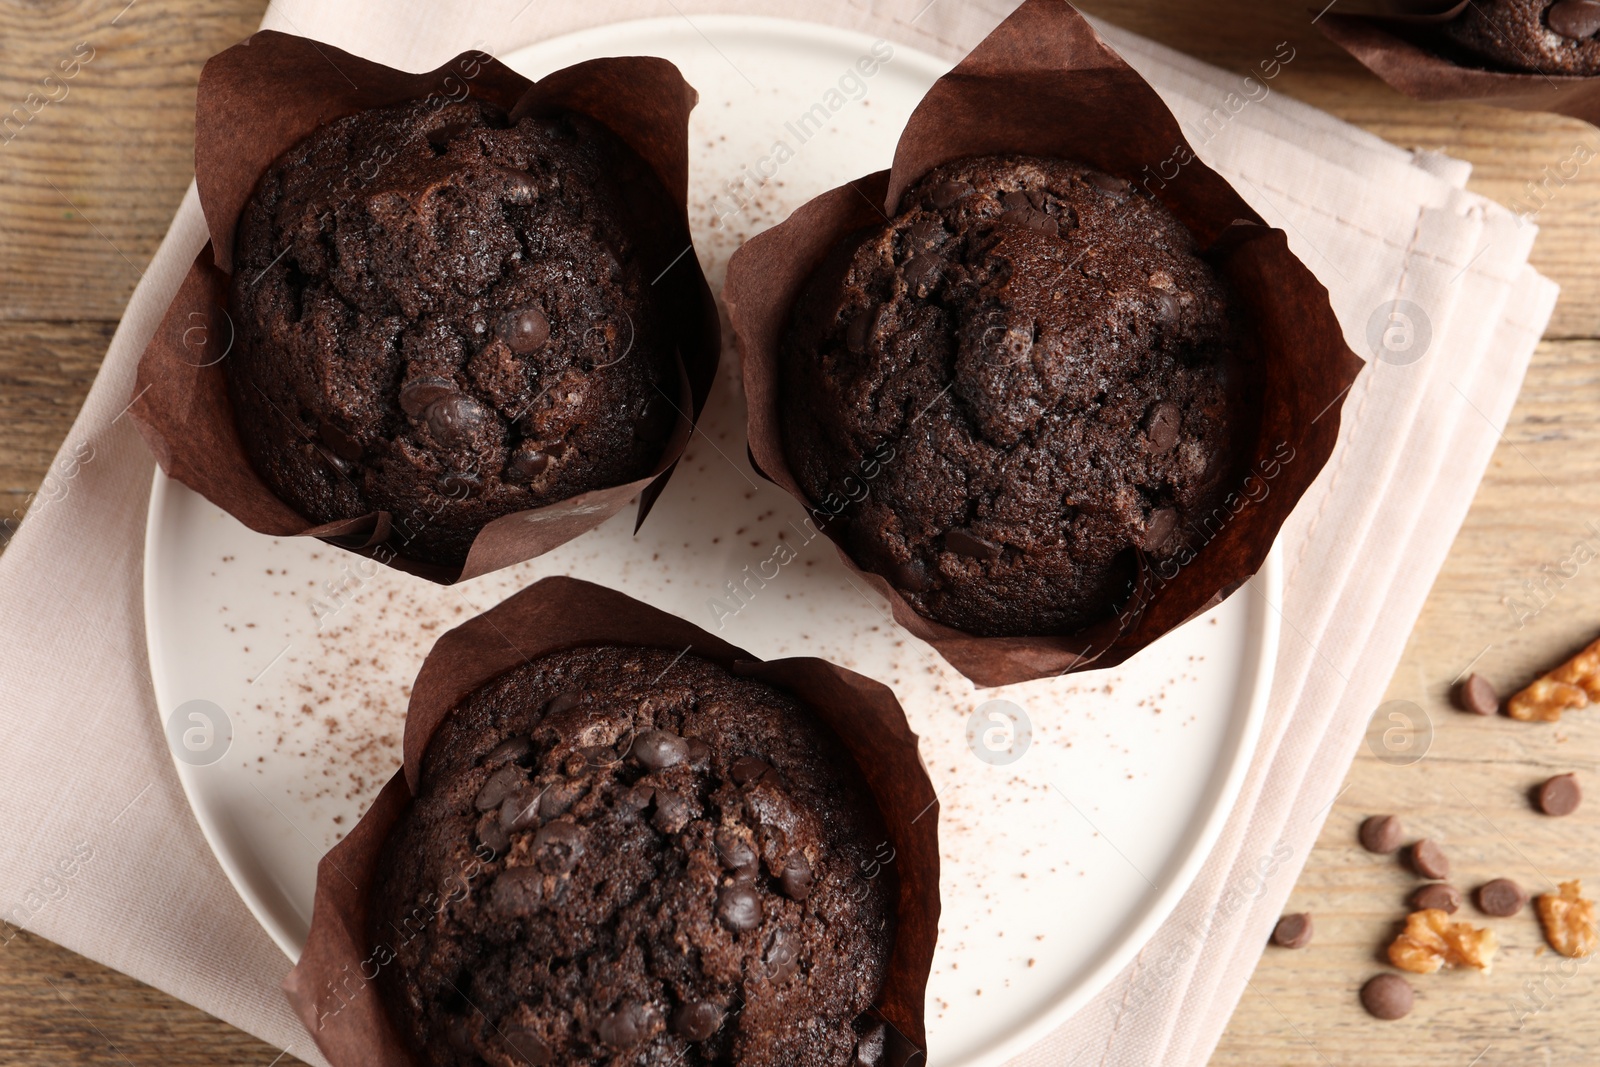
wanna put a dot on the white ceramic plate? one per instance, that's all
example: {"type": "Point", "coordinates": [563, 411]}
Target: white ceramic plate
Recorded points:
{"type": "Point", "coordinates": [1063, 847]}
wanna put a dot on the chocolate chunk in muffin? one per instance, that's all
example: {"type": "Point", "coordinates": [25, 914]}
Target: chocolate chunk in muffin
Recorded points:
{"type": "Point", "coordinates": [1533, 36]}
{"type": "Point", "coordinates": [618, 856]}
{"type": "Point", "coordinates": [449, 317]}
{"type": "Point", "coordinates": [1012, 389]}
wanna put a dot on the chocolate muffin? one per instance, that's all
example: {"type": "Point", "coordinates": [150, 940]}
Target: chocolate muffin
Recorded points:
{"type": "Point", "coordinates": [1002, 396]}
{"type": "Point", "coordinates": [626, 856]}
{"type": "Point", "coordinates": [449, 317]}
{"type": "Point", "coordinates": [1533, 36]}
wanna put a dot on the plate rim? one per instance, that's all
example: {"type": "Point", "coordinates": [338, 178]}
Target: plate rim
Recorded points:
{"type": "Point", "coordinates": [1261, 642]}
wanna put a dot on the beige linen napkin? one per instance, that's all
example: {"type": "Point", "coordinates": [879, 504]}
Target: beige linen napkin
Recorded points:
{"type": "Point", "coordinates": [100, 853]}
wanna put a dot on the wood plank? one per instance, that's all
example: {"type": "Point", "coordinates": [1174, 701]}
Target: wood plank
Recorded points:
{"type": "Point", "coordinates": [59, 1009]}
{"type": "Point", "coordinates": [1470, 791]}
{"type": "Point", "coordinates": [89, 183]}
{"type": "Point", "coordinates": [87, 188]}
{"type": "Point", "coordinates": [1508, 149]}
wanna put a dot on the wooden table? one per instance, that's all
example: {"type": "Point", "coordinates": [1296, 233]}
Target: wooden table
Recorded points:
{"type": "Point", "coordinates": [88, 187]}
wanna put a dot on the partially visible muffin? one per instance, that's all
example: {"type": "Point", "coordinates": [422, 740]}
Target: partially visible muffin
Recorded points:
{"type": "Point", "coordinates": [449, 317]}
{"type": "Point", "coordinates": [1001, 396]}
{"type": "Point", "coordinates": [1533, 36]}
{"type": "Point", "coordinates": [624, 856]}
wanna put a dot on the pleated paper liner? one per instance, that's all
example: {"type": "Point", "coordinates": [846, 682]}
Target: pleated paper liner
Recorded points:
{"type": "Point", "coordinates": [1397, 45]}
{"type": "Point", "coordinates": [258, 99]}
{"type": "Point", "coordinates": [1044, 83]}
{"type": "Point", "coordinates": [332, 987]}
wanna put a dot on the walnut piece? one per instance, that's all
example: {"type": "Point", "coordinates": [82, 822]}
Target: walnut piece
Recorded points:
{"type": "Point", "coordinates": [1568, 920]}
{"type": "Point", "coordinates": [1574, 684]}
{"type": "Point", "coordinates": [1431, 941]}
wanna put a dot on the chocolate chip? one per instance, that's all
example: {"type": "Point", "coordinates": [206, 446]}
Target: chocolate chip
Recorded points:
{"type": "Point", "coordinates": [926, 234]}
{"type": "Point", "coordinates": [559, 846]}
{"type": "Point", "coordinates": [922, 272]}
{"type": "Point", "coordinates": [557, 799]}
{"type": "Point", "coordinates": [1382, 834]}
{"type": "Point", "coordinates": [1016, 201]}
{"type": "Point", "coordinates": [673, 811]}
{"type": "Point", "coordinates": [518, 891]}
{"type": "Point", "coordinates": [338, 463]}
{"type": "Point", "coordinates": [659, 749]}
{"type": "Point", "coordinates": [1108, 182]}
{"type": "Point", "coordinates": [1501, 897]}
{"type": "Point", "coordinates": [1574, 19]}
{"type": "Point", "coordinates": [512, 748]}
{"type": "Point", "coordinates": [699, 752]}
{"type": "Point", "coordinates": [871, 1044]}
{"type": "Point", "coordinates": [1293, 931]}
{"type": "Point", "coordinates": [1158, 529]}
{"type": "Point", "coordinates": [739, 907]}
{"type": "Point", "coordinates": [340, 443]}
{"type": "Point", "coordinates": [1161, 425]}
{"type": "Point", "coordinates": [526, 463]}
{"type": "Point", "coordinates": [1387, 996]}
{"type": "Point", "coordinates": [521, 809]}
{"type": "Point", "coordinates": [1560, 795]}
{"type": "Point", "coordinates": [698, 1020]}
{"type": "Point", "coordinates": [734, 850]}
{"type": "Point", "coordinates": [796, 879]}
{"type": "Point", "coordinates": [748, 769]}
{"type": "Point", "coordinates": [1440, 895]}
{"type": "Point", "coordinates": [966, 543]}
{"type": "Point", "coordinates": [525, 331]}
{"type": "Point", "coordinates": [912, 576]}
{"type": "Point", "coordinates": [520, 187]}
{"type": "Point", "coordinates": [945, 194]}
{"type": "Point", "coordinates": [459, 486]}
{"type": "Point", "coordinates": [564, 701]}
{"type": "Point", "coordinates": [454, 418]}
{"type": "Point", "coordinates": [527, 1045]}
{"type": "Point", "coordinates": [491, 834]}
{"type": "Point", "coordinates": [859, 332]}
{"type": "Point", "coordinates": [1477, 695]}
{"type": "Point", "coordinates": [1168, 306]}
{"type": "Point", "coordinates": [1033, 219]}
{"type": "Point", "coordinates": [781, 957]}
{"type": "Point", "coordinates": [417, 394]}
{"type": "Point", "coordinates": [498, 786]}
{"type": "Point", "coordinates": [630, 1024]}
{"type": "Point", "coordinates": [1429, 860]}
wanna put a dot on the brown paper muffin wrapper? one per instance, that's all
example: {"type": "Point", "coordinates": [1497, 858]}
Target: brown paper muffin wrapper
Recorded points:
{"type": "Point", "coordinates": [1044, 83]}
{"type": "Point", "coordinates": [256, 100]}
{"type": "Point", "coordinates": [331, 988]}
{"type": "Point", "coordinates": [1390, 43]}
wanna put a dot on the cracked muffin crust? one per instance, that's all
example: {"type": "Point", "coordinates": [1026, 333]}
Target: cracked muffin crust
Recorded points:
{"type": "Point", "coordinates": [449, 317]}
{"type": "Point", "coordinates": [1008, 390]}
{"type": "Point", "coordinates": [1532, 36]}
{"type": "Point", "coordinates": [620, 857]}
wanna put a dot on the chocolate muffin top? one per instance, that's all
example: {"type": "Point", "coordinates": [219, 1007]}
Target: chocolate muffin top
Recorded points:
{"type": "Point", "coordinates": [1000, 396]}
{"type": "Point", "coordinates": [449, 317]}
{"type": "Point", "coordinates": [1532, 36]}
{"type": "Point", "coordinates": [618, 856]}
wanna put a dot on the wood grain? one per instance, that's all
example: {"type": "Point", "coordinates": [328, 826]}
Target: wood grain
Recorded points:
{"type": "Point", "coordinates": [88, 186]}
